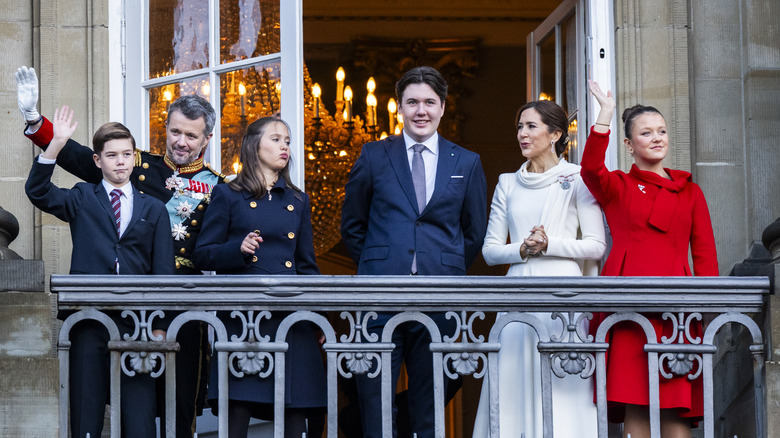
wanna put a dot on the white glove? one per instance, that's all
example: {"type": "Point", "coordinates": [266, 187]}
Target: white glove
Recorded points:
{"type": "Point", "coordinates": [27, 93]}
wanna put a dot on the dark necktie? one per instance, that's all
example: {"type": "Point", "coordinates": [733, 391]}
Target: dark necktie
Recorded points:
{"type": "Point", "coordinates": [116, 205]}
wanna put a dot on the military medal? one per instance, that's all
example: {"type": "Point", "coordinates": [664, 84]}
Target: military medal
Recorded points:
{"type": "Point", "coordinates": [184, 209]}
{"type": "Point", "coordinates": [178, 231]}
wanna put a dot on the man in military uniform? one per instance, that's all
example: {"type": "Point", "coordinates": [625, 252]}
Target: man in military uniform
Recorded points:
{"type": "Point", "coordinates": [179, 179]}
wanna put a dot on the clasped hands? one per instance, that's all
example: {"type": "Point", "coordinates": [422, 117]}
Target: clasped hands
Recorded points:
{"type": "Point", "coordinates": [535, 243]}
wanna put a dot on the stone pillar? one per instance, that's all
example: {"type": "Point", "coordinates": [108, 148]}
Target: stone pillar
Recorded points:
{"type": "Point", "coordinates": [651, 45]}
{"type": "Point", "coordinates": [29, 372]}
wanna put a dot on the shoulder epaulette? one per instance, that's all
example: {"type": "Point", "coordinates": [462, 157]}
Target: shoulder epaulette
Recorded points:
{"type": "Point", "coordinates": [219, 175]}
{"type": "Point", "coordinates": [138, 159]}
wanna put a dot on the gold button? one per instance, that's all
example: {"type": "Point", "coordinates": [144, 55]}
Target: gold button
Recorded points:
{"type": "Point", "coordinates": [253, 204]}
{"type": "Point", "coordinates": [254, 259]}
{"type": "Point", "coordinates": [200, 206]}
{"type": "Point", "coordinates": [256, 232]}
{"type": "Point", "coordinates": [145, 165]}
{"type": "Point", "coordinates": [182, 250]}
{"type": "Point", "coordinates": [142, 178]}
{"type": "Point", "coordinates": [188, 235]}
{"type": "Point", "coordinates": [178, 265]}
{"type": "Point", "coordinates": [288, 264]}
{"type": "Point", "coordinates": [291, 235]}
{"type": "Point", "coordinates": [290, 208]}
{"type": "Point", "coordinates": [194, 223]}
{"type": "Point", "coordinates": [141, 191]}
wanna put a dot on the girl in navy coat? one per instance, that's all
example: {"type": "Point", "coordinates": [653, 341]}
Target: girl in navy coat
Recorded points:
{"type": "Point", "coordinates": [260, 224]}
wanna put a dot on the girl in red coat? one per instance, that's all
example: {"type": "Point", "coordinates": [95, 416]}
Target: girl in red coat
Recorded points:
{"type": "Point", "coordinates": [654, 214]}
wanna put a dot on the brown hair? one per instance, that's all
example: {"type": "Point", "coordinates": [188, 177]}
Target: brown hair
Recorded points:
{"type": "Point", "coordinates": [249, 179]}
{"type": "Point", "coordinates": [422, 75]}
{"type": "Point", "coordinates": [553, 116]}
{"type": "Point", "coordinates": [110, 131]}
{"type": "Point", "coordinates": [630, 114]}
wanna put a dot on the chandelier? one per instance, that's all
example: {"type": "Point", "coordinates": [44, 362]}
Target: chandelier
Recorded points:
{"type": "Point", "coordinates": [333, 143]}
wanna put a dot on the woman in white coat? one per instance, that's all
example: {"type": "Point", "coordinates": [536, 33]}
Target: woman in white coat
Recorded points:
{"type": "Point", "coordinates": [555, 228]}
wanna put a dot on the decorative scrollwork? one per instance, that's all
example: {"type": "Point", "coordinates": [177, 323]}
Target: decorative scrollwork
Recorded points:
{"type": "Point", "coordinates": [152, 363]}
{"type": "Point", "coordinates": [682, 328]}
{"type": "Point", "coordinates": [464, 327]}
{"type": "Point", "coordinates": [573, 329]}
{"type": "Point", "coordinates": [680, 364]}
{"type": "Point", "coordinates": [142, 326]}
{"type": "Point", "coordinates": [250, 326]}
{"type": "Point", "coordinates": [358, 327]}
{"type": "Point", "coordinates": [252, 363]}
{"type": "Point", "coordinates": [573, 363]}
{"type": "Point", "coordinates": [143, 362]}
{"type": "Point", "coordinates": [465, 364]}
{"type": "Point", "coordinates": [359, 363]}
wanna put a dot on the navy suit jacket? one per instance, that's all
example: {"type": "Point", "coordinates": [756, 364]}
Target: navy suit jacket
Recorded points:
{"type": "Point", "coordinates": [144, 248]}
{"type": "Point", "coordinates": [382, 228]}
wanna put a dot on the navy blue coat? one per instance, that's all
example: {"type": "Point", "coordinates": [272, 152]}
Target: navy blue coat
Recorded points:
{"type": "Point", "coordinates": [144, 248]}
{"type": "Point", "coordinates": [380, 224]}
{"type": "Point", "coordinates": [283, 220]}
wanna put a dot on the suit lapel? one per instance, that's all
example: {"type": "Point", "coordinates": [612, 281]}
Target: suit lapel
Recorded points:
{"type": "Point", "coordinates": [396, 150]}
{"type": "Point", "coordinates": [102, 196]}
{"type": "Point", "coordinates": [448, 156]}
{"type": "Point", "coordinates": [138, 209]}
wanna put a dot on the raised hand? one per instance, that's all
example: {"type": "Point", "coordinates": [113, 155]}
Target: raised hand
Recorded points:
{"type": "Point", "coordinates": [607, 104]}
{"type": "Point", "coordinates": [64, 127]}
{"type": "Point", "coordinates": [27, 93]}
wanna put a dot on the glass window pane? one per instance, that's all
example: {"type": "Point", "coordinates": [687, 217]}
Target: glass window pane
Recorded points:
{"type": "Point", "coordinates": [571, 152]}
{"type": "Point", "coordinates": [569, 63]}
{"type": "Point", "coordinates": [161, 97]}
{"type": "Point", "coordinates": [248, 28]}
{"type": "Point", "coordinates": [178, 36]}
{"type": "Point", "coordinates": [246, 95]}
{"type": "Point", "coordinates": [547, 68]}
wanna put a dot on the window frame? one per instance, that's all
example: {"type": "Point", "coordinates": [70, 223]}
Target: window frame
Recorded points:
{"type": "Point", "coordinates": [129, 95]}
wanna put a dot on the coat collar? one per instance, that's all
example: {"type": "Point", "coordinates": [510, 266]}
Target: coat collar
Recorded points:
{"type": "Point", "coordinates": [678, 182]}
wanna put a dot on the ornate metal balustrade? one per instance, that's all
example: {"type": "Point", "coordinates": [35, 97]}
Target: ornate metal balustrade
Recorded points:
{"type": "Point", "coordinates": [353, 300]}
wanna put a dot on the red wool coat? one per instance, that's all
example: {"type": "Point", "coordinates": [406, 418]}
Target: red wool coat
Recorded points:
{"type": "Point", "coordinates": [653, 221]}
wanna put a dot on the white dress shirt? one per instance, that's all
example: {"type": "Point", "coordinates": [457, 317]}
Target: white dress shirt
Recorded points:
{"type": "Point", "coordinates": [126, 200]}
{"type": "Point", "coordinates": [430, 158]}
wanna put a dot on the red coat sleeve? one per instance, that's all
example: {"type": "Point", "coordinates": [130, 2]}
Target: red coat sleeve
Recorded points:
{"type": "Point", "coordinates": [42, 137]}
{"type": "Point", "coordinates": [601, 182]}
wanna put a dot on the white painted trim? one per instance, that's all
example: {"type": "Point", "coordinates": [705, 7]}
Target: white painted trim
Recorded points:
{"type": "Point", "coordinates": [601, 35]}
{"type": "Point", "coordinates": [116, 60]}
{"type": "Point", "coordinates": [291, 38]}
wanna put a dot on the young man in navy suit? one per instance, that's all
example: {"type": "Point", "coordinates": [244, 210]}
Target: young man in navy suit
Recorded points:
{"type": "Point", "coordinates": [414, 204]}
{"type": "Point", "coordinates": [116, 229]}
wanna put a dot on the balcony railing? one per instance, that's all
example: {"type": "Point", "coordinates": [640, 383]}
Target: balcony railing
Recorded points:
{"type": "Point", "coordinates": [721, 300]}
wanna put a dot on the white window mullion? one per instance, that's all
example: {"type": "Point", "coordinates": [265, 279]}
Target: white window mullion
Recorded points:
{"type": "Point", "coordinates": [213, 152]}
{"type": "Point", "coordinates": [291, 39]}
{"type": "Point", "coordinates": [600, 63]}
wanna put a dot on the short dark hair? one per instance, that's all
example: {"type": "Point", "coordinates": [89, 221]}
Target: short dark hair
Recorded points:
{"type": "Point", "coordinates": [194, 107]}
{"type": "Point", "coordinates": [422, 75]}
{"type": "Point", "coordinates": [110, 131]}
{"type": "Point", "coordinates": [630, 114]}
{"type": "Point", "coordinates": [553, 116]}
